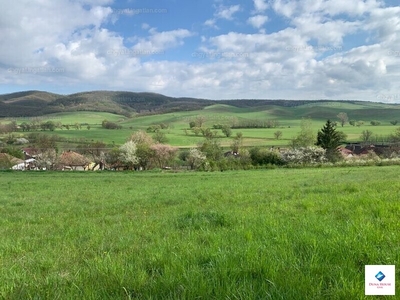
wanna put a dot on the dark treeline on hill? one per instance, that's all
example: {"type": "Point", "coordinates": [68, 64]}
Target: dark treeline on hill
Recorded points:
{"type": "Point", "coordinates": [37, 103]}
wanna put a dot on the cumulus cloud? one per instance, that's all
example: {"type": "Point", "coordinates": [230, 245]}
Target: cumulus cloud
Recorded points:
{"type": "Point", "coordinates": [307, 58]}
{"type": "Point", "coordinates": [260, 5]}
{"type": "Point", "coordinates": [223, 12]}
{"type": "Point", "coordinates": [257, 21]}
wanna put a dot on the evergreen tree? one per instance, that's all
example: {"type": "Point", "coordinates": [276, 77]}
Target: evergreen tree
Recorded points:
{"type": "Point", "coordinates": [329, 139]}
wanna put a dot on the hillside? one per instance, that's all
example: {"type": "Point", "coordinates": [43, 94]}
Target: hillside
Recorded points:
{"type": "Point", "coordinates": [38, 103]}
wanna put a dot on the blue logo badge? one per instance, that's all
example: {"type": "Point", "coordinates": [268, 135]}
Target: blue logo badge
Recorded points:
{"type": "Point", "coordinates": [380, 276]}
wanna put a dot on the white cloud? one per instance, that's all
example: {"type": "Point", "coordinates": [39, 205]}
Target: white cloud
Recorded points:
{"type": "Point", "coordinates": [289, 63]}
{"type": "Point", "coordinates": [222, 13]}
{"type": "Point", "coordinates": [257, 21]}
{"type": "Point", "coordinates": [228, 12]}
{"type": "Point", "coordinates": [260, 5]}
{"type": "Point", "coordinates": [160, 41]}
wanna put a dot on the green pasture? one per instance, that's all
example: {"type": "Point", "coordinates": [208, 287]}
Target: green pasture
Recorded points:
{"type": "Point", "coordinates": [72, 118]}
{"type": "Point", "coordinates": [262, 234]}
{"type": "Point", "coordinates": [289, 119]}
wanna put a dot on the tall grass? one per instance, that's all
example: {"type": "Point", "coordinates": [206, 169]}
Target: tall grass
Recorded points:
{"type": "Point", "coordinates": [262, 234]}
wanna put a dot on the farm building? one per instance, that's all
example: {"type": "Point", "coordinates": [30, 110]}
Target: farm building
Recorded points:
{"type": "Point", "coordinates": [70, 160]}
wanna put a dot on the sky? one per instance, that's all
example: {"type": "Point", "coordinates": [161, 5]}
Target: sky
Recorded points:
{"type": "Point", "coordinates": [212, 49]}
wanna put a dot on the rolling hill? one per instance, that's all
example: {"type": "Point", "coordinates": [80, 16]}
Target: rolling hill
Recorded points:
{"type": "Point", "coordinates": [39, 103]}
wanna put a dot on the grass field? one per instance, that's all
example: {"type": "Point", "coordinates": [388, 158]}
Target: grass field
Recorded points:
{"type": "Point", "coordinates": [289, 119]}
{"type": "Point", "coordinates": [263, 234]}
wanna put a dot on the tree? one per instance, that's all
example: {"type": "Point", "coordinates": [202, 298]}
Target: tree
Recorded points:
{"type": "Point", "coordinates": [278, 134]}
{"type": "Point", "coordinates": [163, 154]}
{"type": "Point", "coordinates": [395, 137]}
{"type": "Point", "coordinates": [329, 139]}
{"type": "Point", "coordinates": [366, 135]}
{"type": "Point", "coordinates": [306, 136]}
{"type": "Point", "coordinates": [226, 130]}
{"type": "Point", "coordinates": [95, 150]}
{"type": "Point", "coordinates": [343, 118]}
{"type": "Point", "coordinates": [237, 143]}
{"type": "Point", "coordinates": [195, 158]}
{"type": "Point", "coordinates": [160, 137]}
{"type": "Point", "coordinates": [352, 122]}
{"type": "Point", "coordinates": [375, 123]}
{"type": "Point", "coordinates": [143, 142]}
{"type": "Point", "coordinates": [196, 130]}
{"type": "Point", "coordinates": [47, 159]}
{"type": "Point", "coordinates": [342, 136]}
{"type": "Point", "coordinates": [200, 121]}
{"type": "Point", "coordinates": [359, 123]}
{"type": "Point", "coordinates": [128, 154]}
{"type": "Point", "coordinates": [192, 124]}
{"type": "Point", "coordinates": [394, 123]}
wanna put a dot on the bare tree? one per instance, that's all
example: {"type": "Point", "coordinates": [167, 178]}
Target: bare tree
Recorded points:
{"type": "Point", "coordinates": [343, 118]}
{"type": "Point", "coordinates": [278, 134]}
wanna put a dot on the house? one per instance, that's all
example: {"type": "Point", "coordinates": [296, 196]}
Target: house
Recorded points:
{"type": "Point", "coordinates": [70, 160]}
{"type": "Point", "coordinates": [346, 153]}
{"type": "Point", "coordinates": [360, 149]}
{"type": "Point", "coordinates": [231, 153]}
{"type": "Point", "coordinates": [28, 164]}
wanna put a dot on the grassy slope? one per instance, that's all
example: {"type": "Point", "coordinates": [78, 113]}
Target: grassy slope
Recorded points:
{"type": "Point", "coordinates": [289, 118]}
{"type": "Point", "coordinates": [267, 234]}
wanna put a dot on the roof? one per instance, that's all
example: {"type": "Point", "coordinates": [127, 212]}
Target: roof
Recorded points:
{"type": "Point", "coordinates": [71, 158]}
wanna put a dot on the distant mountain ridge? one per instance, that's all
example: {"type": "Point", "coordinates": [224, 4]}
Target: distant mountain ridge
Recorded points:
{"type": "Point", "coordinates": [38, 103]}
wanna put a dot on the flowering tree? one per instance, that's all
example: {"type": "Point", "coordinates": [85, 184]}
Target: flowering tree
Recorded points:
{"type": "Point", "coordinates": [128, 154]}
{"type": "Point", "coordinates": [163, 154]}
{"type": "Point", "coordinates": [196, 158]}
{"type": "Point", "coordinates": [304, 155]}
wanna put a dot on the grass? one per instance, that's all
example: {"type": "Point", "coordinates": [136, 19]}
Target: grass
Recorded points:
{"type": "Point", "coordinates": [288, 117]}
{"type": "Point", "coordinates": [262, 234]}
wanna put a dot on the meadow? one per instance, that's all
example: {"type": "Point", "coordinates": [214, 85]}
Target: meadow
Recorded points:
{"type": "Point", "coordinates": [179, 134]}
{"type": "Point", "coordinates": [260, 234]}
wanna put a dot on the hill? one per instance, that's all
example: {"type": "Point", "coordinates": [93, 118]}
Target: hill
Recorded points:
{"type": "Point", "coordinates": [39, 103]}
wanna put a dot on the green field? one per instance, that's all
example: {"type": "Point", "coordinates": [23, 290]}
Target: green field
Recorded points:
{"type": "Point", "coordinates": [289, 119]}
{"type": "Point", "coordinates": [263, 234]}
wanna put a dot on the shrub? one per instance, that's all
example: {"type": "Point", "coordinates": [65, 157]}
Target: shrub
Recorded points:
{"type": "Point", "coordinates": [304, 155]}
{"type": "Point", "coordinates": [262, 157]}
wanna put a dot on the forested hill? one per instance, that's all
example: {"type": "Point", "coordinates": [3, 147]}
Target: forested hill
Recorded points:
{"type": "Point", "coordinates": [37, 103]}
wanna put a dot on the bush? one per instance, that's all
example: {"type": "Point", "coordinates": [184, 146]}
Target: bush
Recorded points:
{"type": "Point", "coordinates": [304, 155]}
{"type": "Point", "coordinates": [260, 157]}
{"type": "Point", "coordinates": [375, 123]}
{"type": "Point", "coordinates": [110, 125]}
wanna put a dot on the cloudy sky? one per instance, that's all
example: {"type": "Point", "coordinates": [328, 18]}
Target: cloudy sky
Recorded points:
{"type": "Point", "coordinates": [215, 49]}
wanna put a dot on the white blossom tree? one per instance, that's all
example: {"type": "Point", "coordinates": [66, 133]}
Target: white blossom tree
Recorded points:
{"type": "Point", "coordinates": [196, 158]}
{"type": "Point", "coordinates": [128, 154]}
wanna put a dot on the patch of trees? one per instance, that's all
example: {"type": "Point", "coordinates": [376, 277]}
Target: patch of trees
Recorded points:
{"type": "Point", "coordinates": [110, 125]}
{"type": "Point", "coordinates": [255, 124]}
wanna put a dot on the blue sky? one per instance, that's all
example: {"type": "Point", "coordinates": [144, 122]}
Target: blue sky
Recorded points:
{"type": "Point", "coordinates": [215, 49]}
